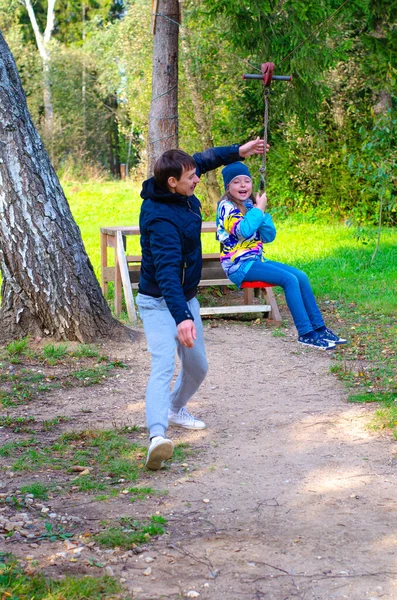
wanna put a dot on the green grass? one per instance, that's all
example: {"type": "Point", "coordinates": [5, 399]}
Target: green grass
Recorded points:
{"type": "Point", "coordinates": [131, 532]}
{"type": "Point", "coordinates": [12, 448]}
{"type": "Point", "coordinates": [182, 451]}
{"type": "Point", "coordinates": [33, 375]}
{"type": "Point", "coordinates": [17, 424]}
{"type": "Point", "coordinates": [39, 490]}
{"type": "Point", "coordinates": [17, 347]}
{"type": "Point", "coordinates": [15, 584]}
{"type": "Point", "coordinates": [86, 351]}
{"type": "Point", "coordinates": [388, 399]}
{"type": "Point", "coordinates": [54, 353]}
{"type": "Point", "coordinates": [140, 493]}
{"type": "Point", "coordinates": [108, 453]}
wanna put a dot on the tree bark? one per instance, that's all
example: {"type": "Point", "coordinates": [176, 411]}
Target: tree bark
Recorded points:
{"type": "Point", "coordinates": [49, 286]}
{"type": "Point", "coordinates": [163, 116]}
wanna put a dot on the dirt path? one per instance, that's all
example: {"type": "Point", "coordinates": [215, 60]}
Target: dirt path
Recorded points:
{"type": "Point", "coordinates": [289, 494]}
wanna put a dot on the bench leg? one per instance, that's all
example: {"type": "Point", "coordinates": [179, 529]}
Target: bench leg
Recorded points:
{"type": "Point", "coordinates": [248, 296]}
{"type": "Point", "coordinates": [274, 314]}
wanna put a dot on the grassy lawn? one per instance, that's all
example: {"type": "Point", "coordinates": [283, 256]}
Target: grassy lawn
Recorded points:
{"type": "Point", "coordinates": [358, 300]}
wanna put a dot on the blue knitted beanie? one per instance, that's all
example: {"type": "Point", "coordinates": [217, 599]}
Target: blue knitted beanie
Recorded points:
{"type": "Point", "coordinates": [234, 170]}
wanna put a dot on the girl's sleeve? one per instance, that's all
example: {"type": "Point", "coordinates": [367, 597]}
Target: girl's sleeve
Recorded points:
{"type": "Point", "coordinates": [235, 223]}
{"type": "Point", "coordinates": [267, 230]}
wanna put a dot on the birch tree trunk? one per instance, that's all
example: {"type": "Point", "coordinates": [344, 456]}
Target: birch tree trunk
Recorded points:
{"type": "Point", "coordinates": [163, 116]}
{"type": "Point", "coordinates": [43, 41]}
{"type": "Point", "coordinates": [49, 286]}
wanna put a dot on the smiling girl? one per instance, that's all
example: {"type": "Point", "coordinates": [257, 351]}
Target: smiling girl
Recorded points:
{"type": "Point", "coordinates": [243, 227]}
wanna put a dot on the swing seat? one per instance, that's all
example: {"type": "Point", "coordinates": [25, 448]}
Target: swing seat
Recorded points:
{"type": "Point", "coordinates": [256, 284]}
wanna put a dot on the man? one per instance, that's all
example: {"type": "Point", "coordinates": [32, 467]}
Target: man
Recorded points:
{"type": "Point", "coordinates": [170, 225]}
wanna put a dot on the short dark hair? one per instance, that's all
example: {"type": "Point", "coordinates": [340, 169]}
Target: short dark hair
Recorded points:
{"type": "Point", "coordinates": [172, 164]}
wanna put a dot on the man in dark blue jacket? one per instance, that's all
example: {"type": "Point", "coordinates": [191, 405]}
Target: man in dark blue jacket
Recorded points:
{"type": "Point", "coordinates": [170, 225]}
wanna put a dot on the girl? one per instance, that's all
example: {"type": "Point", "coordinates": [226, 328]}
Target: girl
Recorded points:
{"type": "Point", "coordinates": [242, 230]}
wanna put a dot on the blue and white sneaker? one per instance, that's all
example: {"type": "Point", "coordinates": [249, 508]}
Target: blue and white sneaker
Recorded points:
{"type": "Point", "coordinates": [316, 341]}
{"type": "Point", "coordinates": [330, 336]}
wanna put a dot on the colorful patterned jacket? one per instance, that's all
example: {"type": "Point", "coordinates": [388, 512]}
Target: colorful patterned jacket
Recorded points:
{"type": "Point", "coordinates": [242, 237]}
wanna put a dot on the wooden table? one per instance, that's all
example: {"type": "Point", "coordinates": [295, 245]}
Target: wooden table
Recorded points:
{"type": "Point", "coordinates": [125, 275]}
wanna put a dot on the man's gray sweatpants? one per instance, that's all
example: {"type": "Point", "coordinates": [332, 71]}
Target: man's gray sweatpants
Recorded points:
{"type": "Point", "coordinates": [162, 340]}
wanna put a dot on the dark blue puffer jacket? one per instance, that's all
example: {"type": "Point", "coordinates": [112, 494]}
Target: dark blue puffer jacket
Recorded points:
{"type": "Point", "coordinates": [170, 226]}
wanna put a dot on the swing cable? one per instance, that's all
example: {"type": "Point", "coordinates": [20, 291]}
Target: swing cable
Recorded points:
{"type": "Point", "coordinates": [262, 169]}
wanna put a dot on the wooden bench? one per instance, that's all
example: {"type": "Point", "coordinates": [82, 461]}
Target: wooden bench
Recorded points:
{"type": "Point", "coordinates": [125, 275]}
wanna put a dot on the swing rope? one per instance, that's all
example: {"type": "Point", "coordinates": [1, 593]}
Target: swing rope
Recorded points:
{"type": "Point", "coordinates": [262, 169]}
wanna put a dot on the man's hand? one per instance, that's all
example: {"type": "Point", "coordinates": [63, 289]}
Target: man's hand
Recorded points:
{"type": "Point", "coordinates": [187, 333]}
{"type": "Point", "coordinates": [253, 147]}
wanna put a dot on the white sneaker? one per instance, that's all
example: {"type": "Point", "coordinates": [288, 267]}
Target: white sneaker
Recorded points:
{"type": "Point", "coordinates": [184, 419]}
{"type": "Point", "coordinates": [160, 449]}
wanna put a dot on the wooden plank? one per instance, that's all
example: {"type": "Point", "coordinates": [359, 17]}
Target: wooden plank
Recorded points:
{"type": "Point", "coordinates": [229, 310]}
{"type": "Point", "coordinates": [134, 258]}
{"type": "Point", "coordinates": [206, 227]}
{"type": "Point", "coordinates": [112, 231]}
{"type": "Point", "coordinates": [107, 274]}
{"type": "Point", "coordinates": [211, 256]}
{"type": "Point", "coordinates": [129, 298]}
{"type": "Point", "coordinates": [211, 282]}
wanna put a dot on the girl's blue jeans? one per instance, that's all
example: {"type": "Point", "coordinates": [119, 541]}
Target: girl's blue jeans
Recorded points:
{"type": "Point", "coordinates": [162, 341]}
{"type": "Point", "coordinates": [297, 289]}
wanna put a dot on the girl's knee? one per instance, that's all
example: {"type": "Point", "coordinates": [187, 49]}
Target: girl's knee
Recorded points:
{"type": "Point", "coordinates": [303, 278]}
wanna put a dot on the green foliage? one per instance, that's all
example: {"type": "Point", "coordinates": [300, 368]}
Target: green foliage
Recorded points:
{"type": "Point", "coordinates": [376, 165]}
{"type": "Point", "coordinates": [342, 57]}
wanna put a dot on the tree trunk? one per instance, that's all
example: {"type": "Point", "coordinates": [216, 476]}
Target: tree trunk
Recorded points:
{"type": "Point", "coordinates": [113, 135]}
{"type": "Point", "coordinates": [43, 42]}
{"type": "Point", "coordinates": [163, 116]}
{"type": "Point", "coordinates": [49, 286]}
{"type": "Point", "coordinates": [212, 189]}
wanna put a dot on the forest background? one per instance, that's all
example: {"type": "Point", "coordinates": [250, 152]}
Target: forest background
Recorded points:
{"type": "Point", "coordinates": [333, 131]}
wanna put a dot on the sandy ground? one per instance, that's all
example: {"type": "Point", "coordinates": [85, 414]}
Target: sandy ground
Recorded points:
{"type": "Point", "coordinates": [289, 493]}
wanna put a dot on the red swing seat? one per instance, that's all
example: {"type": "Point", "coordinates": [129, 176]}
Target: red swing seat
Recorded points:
{"type": "Point", "coordinates": [256, 284]}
